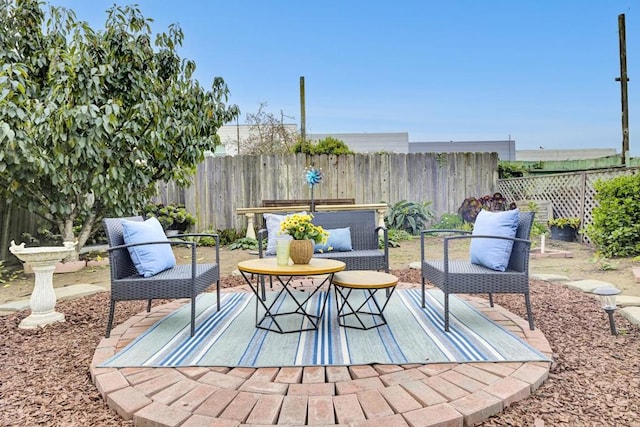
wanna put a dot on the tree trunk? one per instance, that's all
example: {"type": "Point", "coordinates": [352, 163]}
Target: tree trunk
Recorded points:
{"type": "Point", "coordinates": [5, 214]}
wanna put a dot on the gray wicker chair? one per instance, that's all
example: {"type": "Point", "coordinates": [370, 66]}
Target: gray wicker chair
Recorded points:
{"type": "Point", "coordinates": [463, 277]}
{"type": "Point", "coordinates": [181, 281]}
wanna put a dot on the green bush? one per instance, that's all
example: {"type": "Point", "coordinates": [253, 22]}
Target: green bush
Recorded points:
{"type": "Point", "coordinates": [207, 241]}
{"type": "Point", "coordinates": [394, 238]}
{"type": "Point", "coordinates": [171, 217]}
{"type": "Point", "coordinates": [616, 220]}
{"type": "Point", "coordinates": [244, 243]}
{"type": "Point", "coordinates": [409, 216]}
{"type": "Point", "coordinates": [327, 145]}
{"type": "Point", "coordinates": [448, 222]}
{"type": "Point", "coordinates": [537, 230]}
{"type": "Point", "coordinates": [511, 170]}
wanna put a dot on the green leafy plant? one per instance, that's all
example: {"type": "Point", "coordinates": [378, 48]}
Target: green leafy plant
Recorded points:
{"type": "Point", "coordinates": [604, 263]}
{"type": "Point", "coordinates": [244, 243]}
{"type": "Point", "coordinates": [615, 229]}
{"type": "Point", "coordinates": [230, 235]}
{"type": "Point", "coordinates": [562, 222]}
{"type": "Point", "coordinates": [394, 237]}
{"type": "Point", "coordinates": [409, 216]}
{"type": "Point", "coordinates": [448, 221]}
{"type": "Point", "coordinates": [538, 229]}
{"type": "Point", "coordinates": [328, 145]}
{"type": "Point", "coordinates": [207, 241]}
{"type": "Point", "coordinates": [227, 237]}
{"type": "Point", "coordinates": [511, 170]}
{"type": "Point", "coordinates": [171, 217]}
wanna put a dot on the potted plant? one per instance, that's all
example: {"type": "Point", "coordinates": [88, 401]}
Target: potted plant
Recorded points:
{"type": "Point", "coordinates": [173, 218]}
{"type": "Point", "coordinates": [564, 228]}
{"type": "Point", "coordinates": [304, 233]}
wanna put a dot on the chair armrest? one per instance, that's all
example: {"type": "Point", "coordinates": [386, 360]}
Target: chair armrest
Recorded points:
{"type": "Point", "coordinates": [161, 242]}
{"type": "Point", "coordinates": [423, 233]}
{"type": "Point", "coordinates": [478, 236]}
{"type": "Point", "coordinates": [216, 237]}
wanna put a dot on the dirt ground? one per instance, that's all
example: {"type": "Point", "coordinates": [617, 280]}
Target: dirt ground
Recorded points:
{"type": "Point", "coordinates": [594, 378]}
{"type": "Point", "coordinates": [582, 264]}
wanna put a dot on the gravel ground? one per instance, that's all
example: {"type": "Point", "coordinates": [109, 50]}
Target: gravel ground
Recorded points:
{"type": "Point", "coordinates": [594, 381]}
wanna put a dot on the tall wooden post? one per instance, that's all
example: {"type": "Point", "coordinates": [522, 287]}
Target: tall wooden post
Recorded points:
{"type": "Point", "coordinates": [303, 115]}
{"type": "Point", "coordinates": [623, 79]}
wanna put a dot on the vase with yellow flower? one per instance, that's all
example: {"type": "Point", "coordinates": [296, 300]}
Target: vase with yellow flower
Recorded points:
{"type": "Point", "coordinates": [304, 234]}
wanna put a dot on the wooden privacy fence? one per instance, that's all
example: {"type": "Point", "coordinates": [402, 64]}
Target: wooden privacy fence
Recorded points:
{"type": "Point", "coordinates": [570, 194]}
{"type": "Point", "coordinates": [224, 184]}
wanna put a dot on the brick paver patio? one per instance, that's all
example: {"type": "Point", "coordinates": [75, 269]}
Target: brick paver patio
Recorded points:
{"type": "Point", "coordinates": [449, 394]}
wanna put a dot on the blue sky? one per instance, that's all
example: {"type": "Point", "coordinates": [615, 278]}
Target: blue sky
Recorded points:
{"type": "Point", "coordinates": [541, 72]}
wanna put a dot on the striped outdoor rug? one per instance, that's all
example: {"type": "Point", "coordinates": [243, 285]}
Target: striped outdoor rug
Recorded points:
{"type": "Point", "coordinates": [413, 335]}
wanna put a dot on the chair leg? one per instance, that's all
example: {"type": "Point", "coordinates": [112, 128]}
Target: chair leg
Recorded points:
{"type": "Point", "coordinates": [262, 288]}
{"type": "Point", "coordinates": [112, 309]}
{"type": "Point", "coordinates": [491, 300]}
{"type": "Point", "coordinates": [193, 316]}
{"type": "Point", "coordinates": [423, 290]}
{"type": "Point", "coordinates": [527, 301]}
{"type": "Point", "coordinates": [446, 312]}
{"type": "Point", "coordinates": [218, 295]}
{"type": "Point", "coordinates": [148, 306]}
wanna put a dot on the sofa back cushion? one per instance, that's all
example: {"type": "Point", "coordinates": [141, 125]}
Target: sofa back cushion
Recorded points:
{"type": "Point", "coordinates": [362, 225]}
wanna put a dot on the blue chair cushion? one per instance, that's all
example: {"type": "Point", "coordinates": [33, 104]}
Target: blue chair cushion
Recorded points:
{"type": "Point", "coordinates": [339, 241]}
{"type": "Point", "coordinates": [494, 253]}
{"type": "Point", "coordinates": [148, 259]}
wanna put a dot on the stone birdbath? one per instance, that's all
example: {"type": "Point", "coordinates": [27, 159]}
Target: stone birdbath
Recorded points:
{"type": "Point", "coordinates": [43, 298]}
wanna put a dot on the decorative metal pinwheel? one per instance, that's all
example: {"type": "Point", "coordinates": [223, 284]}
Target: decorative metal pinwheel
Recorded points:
{"type": "Point", "coordinates": [313, 177]}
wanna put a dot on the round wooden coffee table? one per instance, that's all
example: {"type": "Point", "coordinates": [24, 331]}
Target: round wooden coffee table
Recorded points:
{"type": "Point", "coordinates": [284, 273]}
{"type": "Point", "coordinates": [369, 312]}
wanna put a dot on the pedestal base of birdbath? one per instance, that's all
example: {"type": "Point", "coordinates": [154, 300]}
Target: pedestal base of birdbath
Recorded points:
{"type": "Point", "coordinates": [43, 300]}
{"type": "Point", "coordinates": [38, 320]}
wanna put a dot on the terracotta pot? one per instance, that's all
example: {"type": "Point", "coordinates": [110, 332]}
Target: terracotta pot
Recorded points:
{"type": "Point", "coordinates": [301, 251]}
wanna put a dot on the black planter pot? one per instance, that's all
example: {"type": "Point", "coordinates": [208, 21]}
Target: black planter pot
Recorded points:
{"type": "Point", "coordinates": [565, 234]}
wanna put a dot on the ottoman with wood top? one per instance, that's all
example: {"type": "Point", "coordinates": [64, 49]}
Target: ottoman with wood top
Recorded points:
{"type": "Point", "coordinates": [356, 300]}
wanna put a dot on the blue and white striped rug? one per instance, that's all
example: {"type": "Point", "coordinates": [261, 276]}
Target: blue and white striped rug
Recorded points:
{"type": "Point", "coordinates": [413, 335]}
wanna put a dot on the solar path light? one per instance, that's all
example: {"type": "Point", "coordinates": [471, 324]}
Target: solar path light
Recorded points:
{"type": "Point", "coordinates": [607, 296]}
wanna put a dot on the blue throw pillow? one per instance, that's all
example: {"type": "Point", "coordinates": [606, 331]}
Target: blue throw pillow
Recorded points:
{"type": "Point", "coordinates": [148, 259]}
{"type": "Point", "coordinates": [494, 253]}
{"type": "Point", "coordinates": [339, 241]}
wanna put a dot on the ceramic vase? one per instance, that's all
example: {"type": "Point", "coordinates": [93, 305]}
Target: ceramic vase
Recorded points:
{"type": "Point", "coordinates": [301, 251]}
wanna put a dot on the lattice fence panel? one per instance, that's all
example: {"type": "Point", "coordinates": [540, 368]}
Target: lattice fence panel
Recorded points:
{"type": "Point", "coordinates": [571, 194]}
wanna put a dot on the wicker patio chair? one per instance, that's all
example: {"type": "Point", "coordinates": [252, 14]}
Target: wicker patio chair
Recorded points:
{"type": "Point", "coordinates": [181, 281]}
{"type": "Point", "coordinates": [463, 277]}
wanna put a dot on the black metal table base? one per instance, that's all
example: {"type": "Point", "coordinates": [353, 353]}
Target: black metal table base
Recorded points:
{"type": "Point", "coordinates": [269, 320]}
{"type": "Point", "coordinates": [366, 319]}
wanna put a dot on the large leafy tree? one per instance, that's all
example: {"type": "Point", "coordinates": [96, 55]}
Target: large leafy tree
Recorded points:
{"type": "Point", "coordinates": [91, 120]}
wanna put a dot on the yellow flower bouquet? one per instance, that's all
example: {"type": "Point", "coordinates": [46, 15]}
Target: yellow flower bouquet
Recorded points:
{"type": "Point", "coordinates": [299, 227]}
